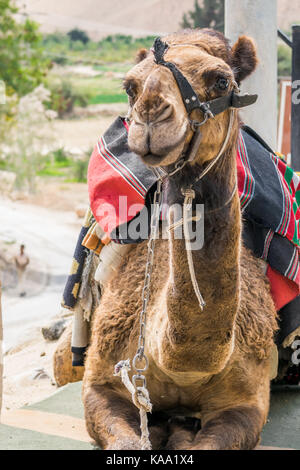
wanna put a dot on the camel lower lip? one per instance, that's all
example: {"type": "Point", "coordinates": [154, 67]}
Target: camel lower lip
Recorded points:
{"type": "Point", "coordinates": [151, 159]}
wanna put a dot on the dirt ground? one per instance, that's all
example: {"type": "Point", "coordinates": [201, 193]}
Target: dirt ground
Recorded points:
{"type": "Point", "coordinates": [57, 196]}
{"type": "Point", "coordinates": [20, 367]}
{"type": "Point", "coordinates": [82, 132]}
{"type": "Point", "coordinates": [48, 225]}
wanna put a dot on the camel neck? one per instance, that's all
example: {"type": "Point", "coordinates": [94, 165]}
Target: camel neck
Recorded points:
{"type": "Point", "coordinates": [216, 263]}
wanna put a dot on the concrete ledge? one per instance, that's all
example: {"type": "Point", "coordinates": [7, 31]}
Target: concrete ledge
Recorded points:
{"type": "Point", "coordinates": [47, 423]}
{"type": "Point", "coordinates": [57, 423]}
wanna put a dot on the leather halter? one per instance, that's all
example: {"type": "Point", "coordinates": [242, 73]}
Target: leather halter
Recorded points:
{"type": "Point", "coordinates": [190, 97]}
{"type": "Point", "coordinates": [191, 101]}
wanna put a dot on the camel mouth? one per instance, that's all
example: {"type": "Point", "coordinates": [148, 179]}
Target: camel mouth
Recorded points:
{"type": "Point", "coordinates": [152, 160]}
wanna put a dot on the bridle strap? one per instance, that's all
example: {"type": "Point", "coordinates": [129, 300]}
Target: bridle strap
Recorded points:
{"type": "Point", "coordinates": [189, 96]}
{"type": "Point", "coordinates": [233, 100]}
{"type": "Point", "coordinates": [191, 102]}
{"type": "Point", "coordinates": [209, 109]}
{"type": "Point", "coordinates": [222, 150]}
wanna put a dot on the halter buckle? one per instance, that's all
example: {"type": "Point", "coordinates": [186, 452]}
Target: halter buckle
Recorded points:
{"type": "Point", "coordinates": [196, 124]}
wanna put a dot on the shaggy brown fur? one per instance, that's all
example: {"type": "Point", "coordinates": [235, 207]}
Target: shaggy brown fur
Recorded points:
{"type": "Point", "coordinates": [213, 364]}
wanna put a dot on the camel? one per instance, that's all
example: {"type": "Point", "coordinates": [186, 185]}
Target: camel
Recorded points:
{"type": "Point", "coordinates": [212, 364]}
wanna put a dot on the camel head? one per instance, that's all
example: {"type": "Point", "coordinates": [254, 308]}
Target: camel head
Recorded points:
{"type": "Point", "coordinates": [160, 129]}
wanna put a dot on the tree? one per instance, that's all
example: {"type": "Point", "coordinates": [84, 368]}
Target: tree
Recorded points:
{"type": "Point", "coordinates": [78, 35]}
{"type": "Point", "coordinates": [30, 137]}
{"type": "Point", "coordinates": [210, 15]}
{"type": "Point", "coordinates": [22, 63]}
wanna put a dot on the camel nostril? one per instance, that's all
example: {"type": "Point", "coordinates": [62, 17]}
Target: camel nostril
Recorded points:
{"type": "Point", "coordinates": [162, 114]}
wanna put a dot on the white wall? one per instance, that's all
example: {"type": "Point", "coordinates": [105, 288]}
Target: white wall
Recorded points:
{"type": "Point", "coordinates": [258, 19]}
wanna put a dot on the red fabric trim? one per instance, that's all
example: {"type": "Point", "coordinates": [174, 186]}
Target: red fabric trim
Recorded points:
{"type": "Point", "coordinates": [245, 178]}
{"type": "Point", "coordinates": [283, 290]}
{"type": "Point", "coordinates": [111, 208]}
{"type": "Point", "coordinates": [126, 125]}
{"type": "Point", "coordinates": [121, 168]}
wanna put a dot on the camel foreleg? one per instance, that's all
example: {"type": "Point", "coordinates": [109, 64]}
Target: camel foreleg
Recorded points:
{"type": "Point", "coordinates": [238, 428]}
{"type": "Point", "coordinates": [112, 421]}
{"type": "Point", "coordinates": [233, 429]}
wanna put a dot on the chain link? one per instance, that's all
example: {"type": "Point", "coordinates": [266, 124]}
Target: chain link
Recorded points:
{"type": "Point", "coordinates": [140, 362]}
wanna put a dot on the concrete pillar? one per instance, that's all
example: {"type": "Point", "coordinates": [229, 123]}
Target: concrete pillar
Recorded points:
{"type": "Point", "coordinates": [258, 19]}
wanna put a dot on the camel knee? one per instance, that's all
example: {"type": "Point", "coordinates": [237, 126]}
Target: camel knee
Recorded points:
{"type": "Point", "coordinates": [109, 417]}
{"type": "Point", "coordinates": [92, 406]}
{"type": "Point", "coordinates": [180, 439]}
{"type": "Point", "coordinates": [233, 429]}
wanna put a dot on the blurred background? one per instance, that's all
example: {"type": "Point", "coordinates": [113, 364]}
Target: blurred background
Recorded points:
{"type": "Point", "coordinates": [61, 70]}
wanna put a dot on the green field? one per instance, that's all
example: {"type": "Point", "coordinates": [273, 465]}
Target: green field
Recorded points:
{"type": "Point", "coordinates": [83, 91]}
{"type": "Point", "coordinates": [112, 57]}
{"type": "Point", "coordinates": [119, 48]}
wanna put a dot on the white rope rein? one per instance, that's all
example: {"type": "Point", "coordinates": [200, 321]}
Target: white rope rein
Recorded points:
{"type": "Point", "coordinates": [179, 223]}
{"type": "Point", "coordinates": [222, 150]}
{"type": "Point", "coordinates": [140, 398]}
{"type": "Point", "coordinates": [190, 195]}
{"type": "Point", "coordinates": [187, 207]}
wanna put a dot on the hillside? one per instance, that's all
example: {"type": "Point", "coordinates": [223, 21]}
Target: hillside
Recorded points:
{"type": "Point", "coordinates": [104, 17]}
{"type": "Point", "coordinates": [136, 17]}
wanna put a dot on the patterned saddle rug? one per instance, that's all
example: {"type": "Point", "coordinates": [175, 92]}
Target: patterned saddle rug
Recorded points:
{"type": "Point", "coordinates": [269, 193]}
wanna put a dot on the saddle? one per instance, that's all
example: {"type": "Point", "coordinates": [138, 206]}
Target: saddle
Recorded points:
{"type": "Point", "coordinates": [269, 192]}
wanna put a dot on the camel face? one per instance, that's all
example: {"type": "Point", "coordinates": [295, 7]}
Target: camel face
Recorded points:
{"type": "Point", "coordinates": [160, 130]}
{"type": "Point", "coordinates": [159, 126]}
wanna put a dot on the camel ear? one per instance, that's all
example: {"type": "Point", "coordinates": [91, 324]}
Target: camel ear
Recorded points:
{"type": "Point", "coordinates": [141, 55]}
{"type": "Point", "coordinates": [244, 58]}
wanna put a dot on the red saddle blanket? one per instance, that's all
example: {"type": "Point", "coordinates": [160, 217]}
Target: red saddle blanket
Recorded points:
{"type": "Point", "coordinates": [269, 193]}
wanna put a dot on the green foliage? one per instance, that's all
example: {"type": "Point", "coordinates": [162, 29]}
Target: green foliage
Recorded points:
{"type": "Point", "coordinates": [64, 97]}
{"type": "Point", "coordinates": [118, 48]}
{"type": "Point", "coordinates": [58, 164]}
{"type": "Point", "coordinates": [60, 59]}
{"type": "Point", "coordinates": [85, 90]}
{"type": "Point", "coordinates": [210, 15]}
{"type": "Point", "coordinates": [109, 98]}
{"type": "Point", "coordinates": [284, 60]}
{"type": "Point", "coordinates": [60, 156]}
{"type": "Point", "coordinates": [22, 64]}
{"type": "Point", "coordinates": [80, 170]}
{"type": "Point", "coordinates": [58, 38]}
{"type": "Point", "coordinates": [29, 138]}
{"type": "Point", "coordinates": [55, 164]}
{"type": "Point", "coordinates": [78, 35]}
{"type": "Point", "coordinates": [113, 56]}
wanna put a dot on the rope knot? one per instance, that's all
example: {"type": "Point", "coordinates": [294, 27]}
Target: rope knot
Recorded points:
{"type": "Point", "coordinates": [189, 192]}
{"type": "Point", "coordinates": [189, 195]}
{"type": "Point", "coordinates": [141, 399]}
{"type": "Point", "coordinates": [120, 366]}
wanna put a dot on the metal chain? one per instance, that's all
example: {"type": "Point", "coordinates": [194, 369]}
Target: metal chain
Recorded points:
{"type": "Point", "coordinates": [140, 358]}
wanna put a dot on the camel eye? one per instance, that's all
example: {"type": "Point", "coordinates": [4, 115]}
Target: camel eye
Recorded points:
{"type": "Point", "coordinates": [222, 83]}
{"type": "Point", "coordinates": [130, 89]}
